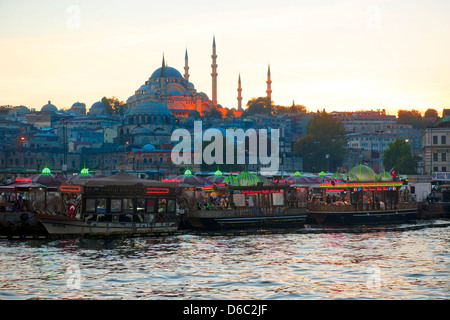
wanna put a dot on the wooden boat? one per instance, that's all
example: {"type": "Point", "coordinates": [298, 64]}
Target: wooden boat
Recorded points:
{"type": "Point", "coordinates": [117, 205]}
{"type": "Point", "coordinates": [364, 200]}
{"type": "Point", "coordinates": [219, 206]}
{"type": "Point", "coordinates": [437, 204]}
{"type": "Point", "coordinates": [19, 202]}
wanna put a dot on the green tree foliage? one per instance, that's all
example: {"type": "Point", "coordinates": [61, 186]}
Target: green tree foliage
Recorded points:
{"type": "Point", "coordinates": [114, 106]}
{"type": "Point", "coordinates": [324, 135]}
{"type": "Point", "coordinates": [398, 156]}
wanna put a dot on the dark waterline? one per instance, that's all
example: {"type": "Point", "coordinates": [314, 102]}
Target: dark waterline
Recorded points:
{"type": "Point", "coordinates": [385, 264]}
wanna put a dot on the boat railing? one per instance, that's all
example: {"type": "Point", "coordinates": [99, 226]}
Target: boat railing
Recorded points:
{"type": "Point", "coordinates": [351, 207]}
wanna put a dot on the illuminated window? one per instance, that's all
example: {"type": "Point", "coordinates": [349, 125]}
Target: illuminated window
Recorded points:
{"type": "Point", "coordinates": [116, 205]}
{"type": "Point", "coordinates": [140, 205]}
{"type": "Point", "coordinates": [162, 205]}
{"type": "Point", "coordinates": [101, 205]}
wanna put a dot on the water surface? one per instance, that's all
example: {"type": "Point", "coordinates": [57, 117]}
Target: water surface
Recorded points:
{"type": "Point", "coordinates": [388, 264]}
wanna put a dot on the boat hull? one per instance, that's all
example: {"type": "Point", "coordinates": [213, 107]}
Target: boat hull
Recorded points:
{"type": "Point", "coordinates": [231, 219]}
{"type": "Point", "coordinates": [433, 210]}
{"type": "Point", "coordinates": [68, 226]}
{"type": "Point", "coordinates": [20, 223]}
{"type": "Point", "coordinates": [362, 217]}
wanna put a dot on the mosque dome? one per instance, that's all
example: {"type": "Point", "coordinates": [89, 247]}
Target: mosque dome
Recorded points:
{"type": "Point", "coordinates": [364, 173]}
{"type": "Point", "coordinates": [149, 108]}
{"type": "Point", "coordinates": [78, 105]}
{"type": "Point", "coordinates": [97, 109]}
{"type": "Point", "coordinates": [148, 147]}
{"type": "Point", "coordinates": [49, 107]}
{"type": "Point", "coordinates": [144, 87]}
{"type": "Point", "coordinates": [78, 108]}
{"type": "Point", "coordinates": [170, 72]}
{"type": "Point", "coordinates": [140, 130]}
{"type": "Point", "coordinates": [175, 93]}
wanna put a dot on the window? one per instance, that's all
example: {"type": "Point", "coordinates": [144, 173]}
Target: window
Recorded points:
{"type": "Point", "coordinates": [170, 205]}
{"type": "Point", "coordinates": [140, 205]}
{"type": "Point", "coordinates": [278, 199]}
{"type": "Point", "coordinates": [116, 205]}
{"type": "Point", "coordinates": [239, 200]}
{"type": "Point", "coordinates": [435, 169]}
{"type": "Point", "coordinates": [151, 205]}
{"type": "Point", "coordinates": [251, 200]}
{"type": "Point", "coordinates": [444, 169]}
{"type": "Point", "coordinates": [443, 157]}
{"type": "Point", "coordinates": [443, 140]}
{"type": "Point", "coordinates": [90, 205]}
{"type": "Point", "coordinates": [101, 205]}
{"type": "Point", "coordinates": [435, 157]}
{"type": "Point", "coordinates": [162, 205]}
{"type": "Point", "coordinates": [128, 205]}
{"type": "Point", "coordinates": [435, 139]}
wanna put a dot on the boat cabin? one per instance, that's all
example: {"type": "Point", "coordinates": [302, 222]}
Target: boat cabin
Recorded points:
{"type": "Point", "coordinates": [119, 198]}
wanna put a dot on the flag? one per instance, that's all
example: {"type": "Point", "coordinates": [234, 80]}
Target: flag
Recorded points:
{"type": "Point", "coordinates": [392, 172]}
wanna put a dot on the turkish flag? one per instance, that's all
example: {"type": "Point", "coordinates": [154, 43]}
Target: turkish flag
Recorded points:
{"type": "Point", "coordinates": [392, 172]}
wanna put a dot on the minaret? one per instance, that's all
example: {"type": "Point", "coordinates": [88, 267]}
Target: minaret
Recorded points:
{"type": "Point", "coordinates": [214, 73]}
{"type": "Point", "coordinates": [163, 81]}
{"type": "Point", "coordinates": [269, 89]}
{"type": "Point", "coordinates": [239, 97]}
{"type": "Point", "coordinates": [186, 67]}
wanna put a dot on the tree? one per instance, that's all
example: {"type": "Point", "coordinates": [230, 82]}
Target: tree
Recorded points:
{"type": "Point", "coordinates": [255, 106]}
{"type": "Point", "coordinates": [398, 156]}
{"type": "Point", "coordinates": [214, 113]}
{"type": "Point", "coordinates": [230, 114]}
{"type": "Point", "coordinates": [431, 113]}
{"type": "Point", "coordinates": [324, 136]}
{"type": "Point", "coordinates": [114, 106]}
{"type": "Point", "coordinates": [295, 108]}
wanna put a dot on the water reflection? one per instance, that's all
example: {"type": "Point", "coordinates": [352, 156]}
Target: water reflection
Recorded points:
{"type": "Point", "coordinates": [384, 265]}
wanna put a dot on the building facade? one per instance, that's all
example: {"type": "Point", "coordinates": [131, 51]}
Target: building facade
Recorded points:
{"type": "Point", "coordinates": [436, 147]}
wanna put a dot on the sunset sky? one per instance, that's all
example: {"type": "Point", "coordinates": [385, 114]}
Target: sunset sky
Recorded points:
{"type": "Point", "coordinates": [333, 54]}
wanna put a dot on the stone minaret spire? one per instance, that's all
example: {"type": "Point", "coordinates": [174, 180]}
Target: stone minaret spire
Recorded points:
{"type": "Point", "coordinates": [163, 81]}
{"type": "Point", "coordinates": [186, 67]}
{"type": "Point", "coordinates": [214, 73]}
{"type": "Point", "coordinates": [269, 89]}
{"type": "Point", "coordinates": [239, 97]}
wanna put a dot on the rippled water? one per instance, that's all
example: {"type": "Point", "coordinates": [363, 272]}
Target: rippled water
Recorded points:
{"type": "Point", "coordinates": [388, 264]}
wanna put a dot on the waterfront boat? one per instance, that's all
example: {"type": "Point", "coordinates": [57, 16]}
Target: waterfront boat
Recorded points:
{"type": "Point", "coordinates": [436, 205]}
{"type": "Point", "coordinates": [223, 206]}
{"type": "Point", "coordinates": [117, 205]}
{"type": "Point", "coordinates": [360, 197]}
{"type": "Point", "coordinates": [19, 201]}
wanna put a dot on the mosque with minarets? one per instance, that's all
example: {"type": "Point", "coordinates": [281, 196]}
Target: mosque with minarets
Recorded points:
{"type": "Point", "coordinates": [152, 110]}
{"type": "Point", "coordinates": [167, 86]}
